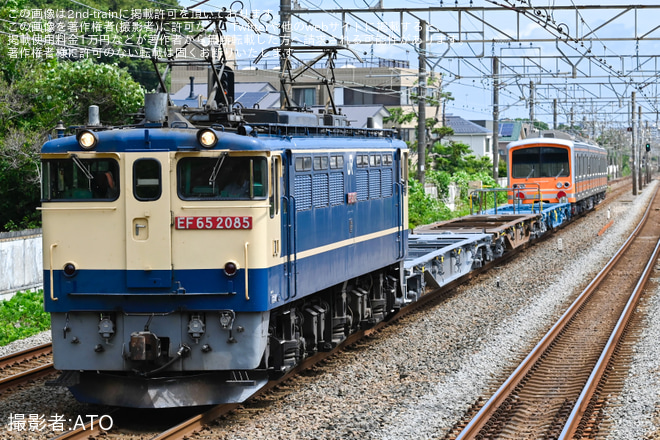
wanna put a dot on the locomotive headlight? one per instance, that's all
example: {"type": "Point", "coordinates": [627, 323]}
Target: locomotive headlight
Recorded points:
{"type": "Point", "coordinates": [558, 185]}
{"type": "Point", "coordinates": [207, 138]}
{"type": "Point", "coordinates": [231, 268]}
{"type": "Point", "coordinates": [567, 184]}
{"type": "Point", "coordinates": [87, 139]}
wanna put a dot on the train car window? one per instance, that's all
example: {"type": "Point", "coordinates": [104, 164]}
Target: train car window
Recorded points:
{"type": "Point", "coordinates": [336, 162]}
{"type": "Point", "coordinates": [362, 160]}
{"type": "Point", "coordinates": [387, 159]}
{"type": "Point", "coordinates": [274, 187]}
{"type": "Point", "coordinates": [78, 179]}
{"type": "Point", "coordinates": [320, 163]}
{"type": "Point", "coordinates": [303, 163]}
{"type": "Point", "coordinates": [581, 165]}
{"type": "Point", "coordinates": [147, 179]}
{"type": "Point", "coordinates": [554, 162]}
{"type": "Point", "coordinates": [374, 160]}
{"type": "Point", "coordinates": [403, 161]}
{"type": "Point", "coordinates": [222, 178]}
{"type": "Point", "coordinates": [538, 162]}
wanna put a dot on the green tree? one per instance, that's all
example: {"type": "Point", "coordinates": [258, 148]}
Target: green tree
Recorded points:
{"type": "Point", "coordinates": [66, 89]}
{"type": "Point", "coordinates": [32, 106]}
{"type": "Point", "coordinates": [422, 208]}
{"type": "Point", "coordinates": [457, 156]}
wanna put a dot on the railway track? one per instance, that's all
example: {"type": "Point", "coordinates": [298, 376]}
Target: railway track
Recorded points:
{"type": "Point", "coordinates": [24, 366]}
{"type": "Point", "coordinates": [557, 391]}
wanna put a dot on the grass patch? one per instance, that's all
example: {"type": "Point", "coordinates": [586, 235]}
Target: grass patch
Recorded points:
{"type": "Point", "coordinates": [23, 315]}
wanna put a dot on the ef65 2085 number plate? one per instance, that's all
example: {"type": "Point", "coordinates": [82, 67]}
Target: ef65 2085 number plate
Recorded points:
{"type": "Point", "coordinates": [222, 222]}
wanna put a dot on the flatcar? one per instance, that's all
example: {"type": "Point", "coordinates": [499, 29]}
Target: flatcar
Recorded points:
{"type": "Point", "coordinates": [553, 170]}
{"type": "Point", "coordinates": [187, 263]}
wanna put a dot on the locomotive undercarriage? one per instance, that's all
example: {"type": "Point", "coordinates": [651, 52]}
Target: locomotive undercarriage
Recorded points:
{"type": "Point", "coordinates": [322, 321]}
{"type": "Point", "coordinates": [190, 359]}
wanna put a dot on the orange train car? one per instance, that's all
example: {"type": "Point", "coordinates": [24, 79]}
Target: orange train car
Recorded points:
{"type": "Point", "coordinates": [555, 170]}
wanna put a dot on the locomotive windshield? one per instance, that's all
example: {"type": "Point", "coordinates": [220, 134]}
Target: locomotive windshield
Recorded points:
{"type": "Point", "coordinates": [222, 178]}
{"type": "Point", "coordinates": [78, 179]}
{"type": "Point", "coordinates": [537, 162]}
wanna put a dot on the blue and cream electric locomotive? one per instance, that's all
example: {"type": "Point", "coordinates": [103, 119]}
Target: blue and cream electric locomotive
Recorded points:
{"type": "Point", "coordinates": [186, 261]}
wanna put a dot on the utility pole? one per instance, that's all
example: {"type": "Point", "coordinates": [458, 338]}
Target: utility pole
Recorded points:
{"type": "Point", "coordinates": [496, 117]}
{"type": "Point", "coordinates": [285, 45]}
{"type": "Point", "coordinates": [554, 114]}
{"type": "Point", "coordinates": [531, 104]}
{"type": "Point", "coordinates": [634, 155]}
{"type": "Point", "coordinates": [647, 168]}
{"type": "Point", "coordinates": [421, 101]}
{"type": "Point", "coordinates": [640, 176]}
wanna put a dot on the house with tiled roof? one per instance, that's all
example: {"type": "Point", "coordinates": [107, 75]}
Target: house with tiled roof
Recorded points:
{"type": "Point", "coordinates": [508, 131]}
{"type": "Point", "coordinates": [249, 95]}
{"type": "Point", "coordinates": [478, 138]}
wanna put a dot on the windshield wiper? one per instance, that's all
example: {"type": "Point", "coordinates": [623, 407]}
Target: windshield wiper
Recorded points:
{"type": "Point", "coordinates": [559, 173]}
{"type": "Point", "coordinates": [80, 165]}
{"type": "Point", "coordinates": [216, 169]}
{"type": "Point", "coordinates": [530, 173]}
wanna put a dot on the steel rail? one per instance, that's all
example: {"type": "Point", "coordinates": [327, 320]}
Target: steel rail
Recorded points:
{"type": "Point", "coordinates": [17, 358]}
{"type": "Point", "coordinates": [29, 353]}
{"type": "Point", "coordinates": [490, 407]}
{"type": "Point", "coordinates": [572, 425]}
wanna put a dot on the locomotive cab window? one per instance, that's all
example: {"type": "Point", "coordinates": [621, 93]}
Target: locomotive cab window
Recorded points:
{"type": "Point", "coordinates": [77, 179]}
{"type": "Point", "coordinates": [222, 178]}
{"type": "Point", "coordinates": [147, 179]}
{"type": "Point", "coordinates": [538, 162]}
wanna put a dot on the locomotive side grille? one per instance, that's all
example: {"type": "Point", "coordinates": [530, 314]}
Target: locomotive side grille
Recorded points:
{"type": "Point", "coordinates": [362, 183]}
{"type": "Point", "coordinates": [320, 190]}
{"type": "Point", "coordinates": [336, 189]}
{"type": "Point", "coordinates": [386, 182]}
{"type": "Point", "coordinates": [303, 191]}
{"type": "Point", "coordinates": [374, 184]}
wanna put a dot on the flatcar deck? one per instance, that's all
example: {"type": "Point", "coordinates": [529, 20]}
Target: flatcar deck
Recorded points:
{"type": "Point", "coordinates": [444, 251]}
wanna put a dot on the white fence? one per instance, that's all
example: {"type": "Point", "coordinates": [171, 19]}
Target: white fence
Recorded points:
{"type": "Point", "coordinates": [21, 262]}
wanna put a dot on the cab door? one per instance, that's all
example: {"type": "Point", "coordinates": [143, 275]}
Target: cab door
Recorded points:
{"type": "Point", "coordinates": [148, 217]}
{"type": "Point", "coordinates": [289, 225]}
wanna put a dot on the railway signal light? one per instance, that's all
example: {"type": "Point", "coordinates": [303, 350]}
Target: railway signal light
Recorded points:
{"type": "Point", "coordinates": [648, 147]}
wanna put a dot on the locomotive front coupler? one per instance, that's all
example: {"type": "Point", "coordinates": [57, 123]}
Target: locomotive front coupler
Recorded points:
{"type": "Point", "coordinates": [144, 346]}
